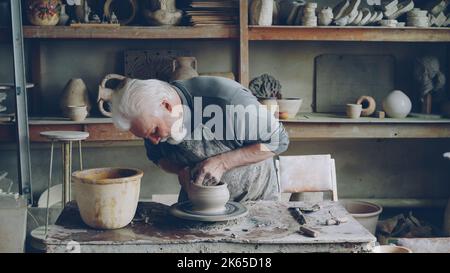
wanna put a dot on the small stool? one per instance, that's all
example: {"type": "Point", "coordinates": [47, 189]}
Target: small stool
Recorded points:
{"type": "Point", "coordinates": [66, 138]}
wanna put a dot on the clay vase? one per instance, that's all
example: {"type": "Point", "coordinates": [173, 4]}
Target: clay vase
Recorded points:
{"type": "Point", "coordinates": [325, 16]}
{"type": "Point", "coordinates": [184, 68]}
{"type": "Point", "coordinates": [208, 199]}
{"type": "Point", "coordinates": [75, 93]}
{"type": "Point", "coordinates": [107, 197]}
{"type": "Point", "coordinates": [397, 104]}
{"type": "Point", "coordinates": [261, 12]}
{"type": "Point", "coordinates": [43, 12]}
{"type": "Point", "coordinates": [63, 17]}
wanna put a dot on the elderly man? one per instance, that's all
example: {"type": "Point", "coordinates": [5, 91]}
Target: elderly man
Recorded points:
{"type": "Point", "coordinates": [205, 130]}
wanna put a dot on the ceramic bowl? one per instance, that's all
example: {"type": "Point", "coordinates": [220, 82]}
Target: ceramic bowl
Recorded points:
{"type": "Point", "coordinates": [208, 199]}
{"type": "Point", "coordinates": [77, 113]}
{"type": "Point", "coordinates": [107, 197]}
{"type": "Point", "coordinates": [288, 107]}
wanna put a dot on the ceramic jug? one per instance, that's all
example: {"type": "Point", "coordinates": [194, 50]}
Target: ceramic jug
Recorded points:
{"type": "Point", "coordinates": [184, 68]}
{"type": "Point", "coordinates": [75, 93]}
{"type": "Point", "coordinates": [105, 93]}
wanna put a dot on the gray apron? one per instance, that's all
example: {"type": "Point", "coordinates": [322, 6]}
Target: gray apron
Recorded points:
{"type": "Point", "coordinates": [253, 182]}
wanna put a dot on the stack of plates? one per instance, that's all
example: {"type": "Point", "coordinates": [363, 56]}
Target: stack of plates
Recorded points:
{"type": "Point", "coordinates": [309, 15]}
{"type": "Point", "coordinates": [418, 18]}
{"type": "Point", "coordinates": [213, 12]}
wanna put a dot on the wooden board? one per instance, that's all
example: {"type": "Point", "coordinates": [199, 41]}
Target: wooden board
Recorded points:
{"type": "Point", "coordinates": [151, 64]}
{"type": "Point", "coordinates": [342, 79]}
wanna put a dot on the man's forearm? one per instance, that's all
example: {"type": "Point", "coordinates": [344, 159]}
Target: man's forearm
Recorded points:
{"type": "Point", "coordinates": [169, 166]}
{"type": "Point", "coordinates": [245, 156]}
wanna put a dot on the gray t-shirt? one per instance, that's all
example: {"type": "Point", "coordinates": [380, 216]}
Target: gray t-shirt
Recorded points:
{"type": "Point", "coordinates": [243, 123]}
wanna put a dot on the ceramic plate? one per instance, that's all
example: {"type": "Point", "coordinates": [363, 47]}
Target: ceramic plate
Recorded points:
{"type": "Point", "coordinates": [184, 210]}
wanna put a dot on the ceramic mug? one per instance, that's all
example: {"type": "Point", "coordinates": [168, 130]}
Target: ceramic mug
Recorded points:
{"type": "Point", "coordinates": [77, 112]}
{"type": "Point", "coordinates": [354, 110]}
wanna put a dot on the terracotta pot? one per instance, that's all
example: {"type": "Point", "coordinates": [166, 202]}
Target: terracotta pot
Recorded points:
{"type": "Point", "coordinates": [43, 12]}
{"type": "Point", "coordinates": [288, 107]}
{"type": "Point", "coordinates": [208, 199]}
{"type": "Point", "coordinates": [107, 197]}
{"type": "Point", "coordinates": [397, 104]}
{"type": "Point", "coordinates": [77, 113]}
{"type": "Point", "coordinates": [365, 213]}
{"type": "Point", "coordinates": [184, 68]}
{"type": "Point", "coordinates": [75, 93]}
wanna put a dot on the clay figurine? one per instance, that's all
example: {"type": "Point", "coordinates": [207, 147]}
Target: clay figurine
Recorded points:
{"type": "Point", "coordinates": [325, 16]}
{"type": "Point", "coordinates": [163, 13]}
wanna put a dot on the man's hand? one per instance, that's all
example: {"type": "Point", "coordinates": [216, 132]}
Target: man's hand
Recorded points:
{"type": "Point", "coordinates": [209, 172]}
{"type": "Point", "coordinates": [184, 177]}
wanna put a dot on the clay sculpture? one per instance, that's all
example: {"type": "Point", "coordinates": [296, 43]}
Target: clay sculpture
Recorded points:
{"type": "Point", "coordinates": [397, 104]}
{"type": "Point", "coordinates": [325, 16]}
{"type": "Point", "coordinates": [163, 13]}
{"type": "Point", "coordinates": [369, 105]}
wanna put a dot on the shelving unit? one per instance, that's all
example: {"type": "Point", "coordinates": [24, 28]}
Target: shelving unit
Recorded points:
{"type": "Point", "coordinates": [312, 128]}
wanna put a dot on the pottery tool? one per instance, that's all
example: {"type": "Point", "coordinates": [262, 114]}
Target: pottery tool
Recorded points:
{"type": "Point", "coordinates": [335, 220]}
{"type": "Point", "coordinates": [300, 218]}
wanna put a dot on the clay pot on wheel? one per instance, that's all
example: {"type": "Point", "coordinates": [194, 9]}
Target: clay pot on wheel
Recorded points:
{"type": "Point", "coordinates": [184, 68]}
{"type": "Point", "coordinates": [208, 199]}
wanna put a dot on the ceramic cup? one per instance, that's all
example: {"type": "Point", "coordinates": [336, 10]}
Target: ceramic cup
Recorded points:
{"type": "Point", "coordinates": [77, 113]}
{"type": "Point", "coordinates": [354, 110]}
{"type": "Point", "coordinates": [208, 199]}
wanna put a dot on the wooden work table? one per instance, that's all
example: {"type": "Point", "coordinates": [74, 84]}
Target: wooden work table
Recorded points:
{"type": "Point", "coordinates": [268, 227]}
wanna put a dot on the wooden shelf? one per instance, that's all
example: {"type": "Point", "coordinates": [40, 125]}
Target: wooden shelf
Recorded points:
{"type": "Point", "coordinates": [314, 127]}
{"type": "Point", "coordinates": [131, 32]}
{"type": "Point", "coordinates": [99, 129]}
{"type": "Point", "coordinates": [309, 126]}
{"type": "Point", "coordinates": [354, 34]}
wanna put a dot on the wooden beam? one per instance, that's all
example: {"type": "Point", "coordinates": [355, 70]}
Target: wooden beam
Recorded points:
{"type": "Point", "coordinates": [317, 131]}
{"type": "Point", "coordinates": [243, 43]}
{"type": "Point", "coordinates": [361, 34]}
{"type": "Point", "coordinates": [135, 32]}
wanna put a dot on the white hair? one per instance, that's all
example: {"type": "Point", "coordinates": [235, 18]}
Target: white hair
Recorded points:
{"type": "Point", "coordinates": [138, 97]}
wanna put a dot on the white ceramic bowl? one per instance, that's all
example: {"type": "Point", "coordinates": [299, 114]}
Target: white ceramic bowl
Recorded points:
{"type": "Point", "coordinates": [289, 107]}
{"type": "Point", "coordinates": [107, 197]}
{"type": "Point", "coordinates": [77, 113]}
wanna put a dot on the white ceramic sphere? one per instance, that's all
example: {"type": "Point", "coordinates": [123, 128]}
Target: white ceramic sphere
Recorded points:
{"type": "Point", "coordinates": [397, 104]}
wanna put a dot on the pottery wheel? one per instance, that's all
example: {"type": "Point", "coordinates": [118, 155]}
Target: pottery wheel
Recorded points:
{"type": "Point", "coordinates": [232, 211]}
